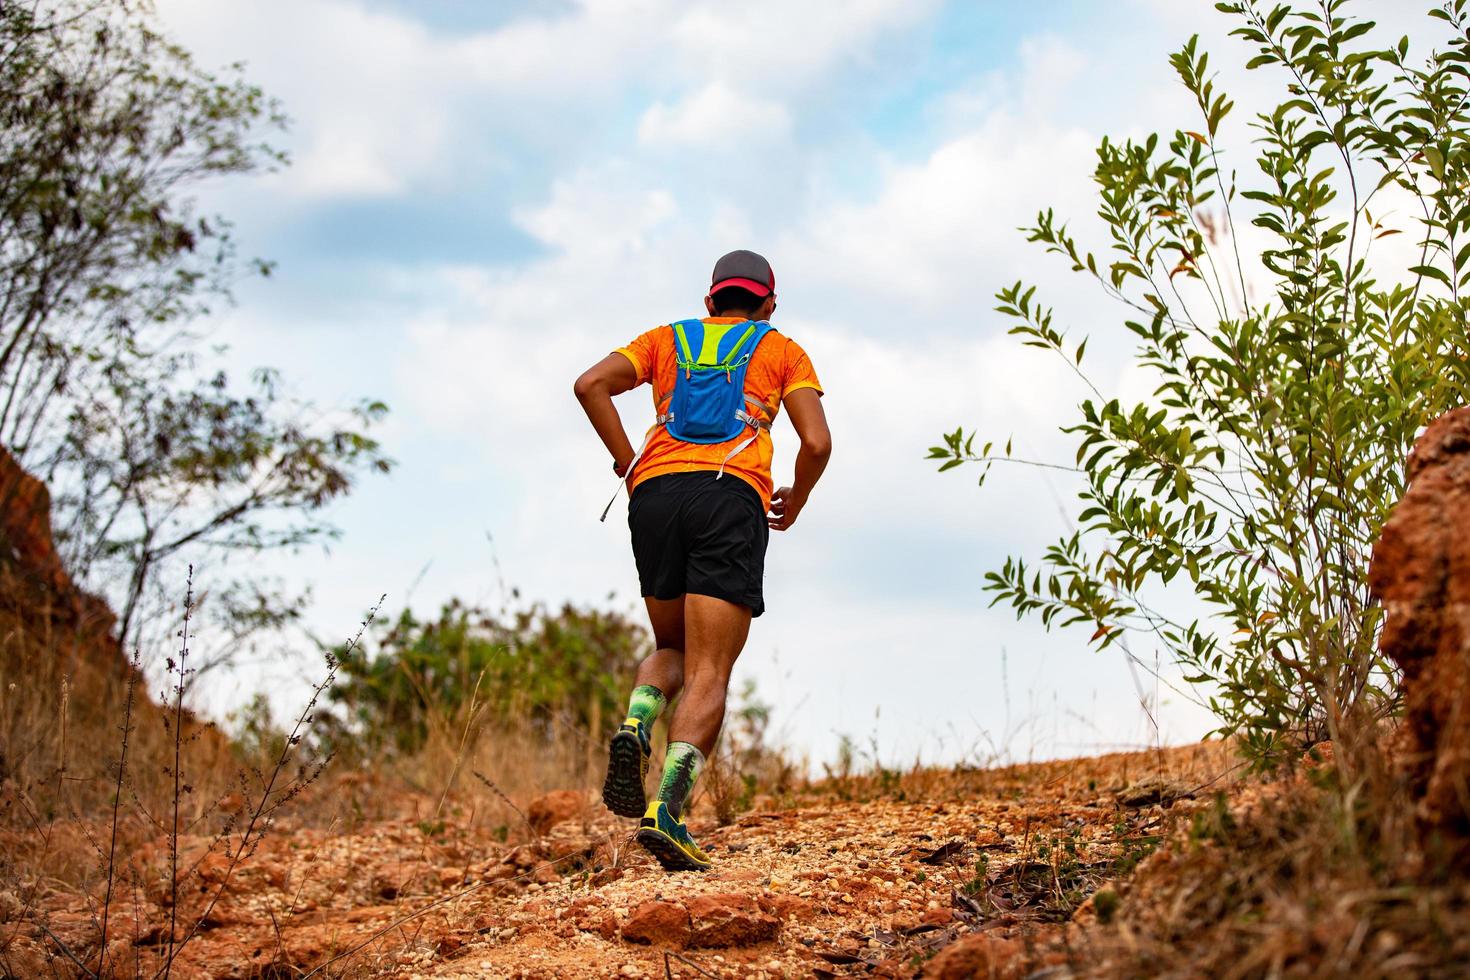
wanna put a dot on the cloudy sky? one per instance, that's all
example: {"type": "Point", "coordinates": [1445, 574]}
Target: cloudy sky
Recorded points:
{"type": "Point", "coordinates": [487, 197]}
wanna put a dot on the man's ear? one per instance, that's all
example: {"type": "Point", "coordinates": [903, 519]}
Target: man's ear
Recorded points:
{"type": "Point", "coordinates": [767, 308]}
{"type": "Point", "coordinates": [709, 304]}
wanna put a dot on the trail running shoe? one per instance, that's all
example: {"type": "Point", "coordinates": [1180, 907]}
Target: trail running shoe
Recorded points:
{"type": "Point", "coordinates": [668, 840]}
{"type": "Point", "coordinates": [627, 767]}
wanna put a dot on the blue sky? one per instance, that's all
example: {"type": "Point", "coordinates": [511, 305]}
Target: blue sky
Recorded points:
{"type": "Point", "coordinates": [485, 198]}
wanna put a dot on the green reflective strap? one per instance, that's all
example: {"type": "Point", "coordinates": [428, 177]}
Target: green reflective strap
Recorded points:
{"type": "Point", "coordinates": [684, 343]}
{"type": "Point", "coordinates": [739, 344]}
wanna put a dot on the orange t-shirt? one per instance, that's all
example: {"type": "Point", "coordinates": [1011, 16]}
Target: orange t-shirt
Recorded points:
{"type": "Point", "coordinates": [778, 367]}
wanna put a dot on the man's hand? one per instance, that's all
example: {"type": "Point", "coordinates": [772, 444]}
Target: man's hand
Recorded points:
{"type": "Point", "coordinates": [785, 507]}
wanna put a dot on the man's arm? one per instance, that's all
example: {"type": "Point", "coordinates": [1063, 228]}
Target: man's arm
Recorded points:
{"type": "Point", "coordinates": [804, 405]}
{"type": "Point", "coordinates": [612, 375]}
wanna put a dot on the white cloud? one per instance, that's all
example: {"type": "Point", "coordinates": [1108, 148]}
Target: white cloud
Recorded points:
{"type": "Point", "coordinates": [370, 95]}
{"type": "Point", "coordinates": [344, 167]}
{"type": "Point", "coordinates": [381, 104]}
{"type": "Point", "coordinates": [582, 215]}
{"type": "Point", "coordinates": [779, 45]}
{"type": "Point", "coordinates": [941, 236]}
{"type": "Point", "coordinates": [711, 114]}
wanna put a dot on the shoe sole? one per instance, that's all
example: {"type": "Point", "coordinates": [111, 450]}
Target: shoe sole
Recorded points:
{"type": "Point", "coordinates": [667, 852]}
{"type": "Point", "coordinates": [622, 791]}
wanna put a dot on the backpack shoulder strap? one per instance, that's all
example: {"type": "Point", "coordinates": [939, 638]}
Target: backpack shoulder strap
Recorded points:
{"type": "Point", "coordinates": [739, 359]}
{"type": "Point", "coordinates": [762, 327]}
{"type": "Point", "coordinates": [688, 340]}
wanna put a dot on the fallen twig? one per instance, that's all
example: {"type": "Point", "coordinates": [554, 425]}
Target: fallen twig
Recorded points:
{"type": "Point", "coordinates": [668, 973]}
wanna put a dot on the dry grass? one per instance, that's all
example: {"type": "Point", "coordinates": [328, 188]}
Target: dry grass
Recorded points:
{"type": "Point", "coordinates": [1311, 875]}
{"type": "Point", "coordinates": [97, 775]}
{"type": "Point", "coordinates": [64, 694]}
{"type": "Point", "coordinates": [488, 780]}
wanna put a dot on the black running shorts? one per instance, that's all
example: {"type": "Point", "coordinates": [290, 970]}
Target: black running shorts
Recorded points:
{"type": "Point", "coordinates": [694, 533]}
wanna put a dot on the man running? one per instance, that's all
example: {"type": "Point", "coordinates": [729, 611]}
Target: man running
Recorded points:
{"type": "Point", "coordinates": [700, 512]}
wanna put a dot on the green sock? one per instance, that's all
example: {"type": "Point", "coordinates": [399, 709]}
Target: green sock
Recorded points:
{"type": "Point", "coordinates": [683, 763]}
{"type": "Point", "coordinates": [646, 704]}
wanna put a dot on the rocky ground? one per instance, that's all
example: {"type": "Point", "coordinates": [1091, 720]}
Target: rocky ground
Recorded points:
{"type": "Point", "coordinates": [933, 874]}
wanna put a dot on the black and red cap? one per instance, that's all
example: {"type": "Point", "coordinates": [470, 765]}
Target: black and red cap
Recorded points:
{"type": "Point", "coordinates": [745, 269]}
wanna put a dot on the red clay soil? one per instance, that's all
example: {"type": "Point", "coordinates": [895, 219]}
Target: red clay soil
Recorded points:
{"type": "Point", "coordinates": [32, 579]}
{"type": "Point", "coordinates": [975, 870]}
{"type": "Point", "coordinates": [1421, 573]}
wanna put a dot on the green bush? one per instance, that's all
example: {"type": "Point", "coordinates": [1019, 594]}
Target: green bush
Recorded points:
{"type": "Point", "coordinates": [532, 669]}
{"type": "Point", "coordinates": [1288, 390]}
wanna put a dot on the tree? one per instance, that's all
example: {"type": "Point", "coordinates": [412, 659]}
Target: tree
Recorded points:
{"type": "Point", "coordinates": [106, 389]}
{"type": "Point", "coordinates": [1289, 389]}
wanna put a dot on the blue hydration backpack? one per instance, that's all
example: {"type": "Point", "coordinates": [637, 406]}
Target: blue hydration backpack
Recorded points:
{"type": "Point", "coordinates": [709, 404]}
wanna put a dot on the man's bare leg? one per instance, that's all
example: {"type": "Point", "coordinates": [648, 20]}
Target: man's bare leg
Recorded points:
{"type": "Point", "coordinates": [660, 677]}
{"type": "Point", "coordinates": [664, 668]}
{"type": "Point", "coordinates": [714, 634]}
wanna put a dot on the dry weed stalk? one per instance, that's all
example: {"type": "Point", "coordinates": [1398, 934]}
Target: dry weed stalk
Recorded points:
{"type": "Point", "coordinates": [181, 675]}
{"type": "Point", "coordinates": [262, 813]}
{"type": "Point", "coordinates": [110, 875]}
{"type": "Point", "coordinates": [489, 784]}
{"type": "Point", "coordinates": [244, 826]}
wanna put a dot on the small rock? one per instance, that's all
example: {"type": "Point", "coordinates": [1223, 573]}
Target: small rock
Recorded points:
{"type": "Point", "coordinates": [397, 878]}
{"type": "Point", "coordinates": [1153, 790]}
{"type": "Point", "coordinates": [214, 867]}
{"type": "Point", "coordinates": [274, 873]}
{"type": "Point", "coordinates": [494, 870]}
{"type": "Point", "coordinates": [937, 917]}
{"type": "Point", "coordinates": [730, 920]}
{"type": "Point", "coordinates": [606, 875]}
{"type": "Point", "coordinates": [785, 906]}
{"type": "Point", "coordinates": [977, 956]}
{"type": "Point", "coordinates": [661, 923]}
{"type": "Point", "coordinates": [555, 807]}
{"type": "Point", "coordinates": [522, 858]}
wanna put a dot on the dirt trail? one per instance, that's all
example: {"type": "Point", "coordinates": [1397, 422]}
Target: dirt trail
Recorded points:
{"type": "Point", "coordinates": [827, 887]}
